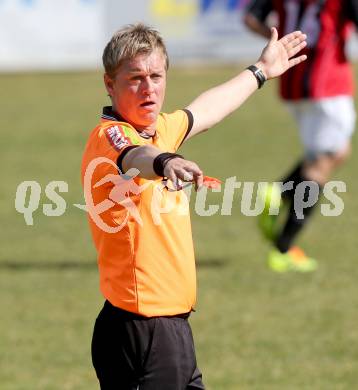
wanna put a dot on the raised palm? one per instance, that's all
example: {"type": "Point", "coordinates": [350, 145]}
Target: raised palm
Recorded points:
{"type": "Point", "coordinates": [279, 54]}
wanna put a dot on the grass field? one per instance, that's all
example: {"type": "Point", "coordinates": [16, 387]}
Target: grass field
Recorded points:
{"type": "Point", "coordinates": [253, 329]}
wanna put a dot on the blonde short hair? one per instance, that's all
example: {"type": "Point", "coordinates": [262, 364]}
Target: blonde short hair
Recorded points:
{"type": "Point", "coordinates": [130, 41]}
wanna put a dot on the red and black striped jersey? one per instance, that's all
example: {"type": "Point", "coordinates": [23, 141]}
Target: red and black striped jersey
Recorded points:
{"type": "Point", "coordinates": [327, 23]}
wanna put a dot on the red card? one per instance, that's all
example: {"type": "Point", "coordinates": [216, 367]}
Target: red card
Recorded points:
{"type": "Point", "coordinates": [211, 182]}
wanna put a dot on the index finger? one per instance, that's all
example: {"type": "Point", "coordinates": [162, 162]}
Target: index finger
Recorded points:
{"type": "Point", "coordinates": [198, 180]}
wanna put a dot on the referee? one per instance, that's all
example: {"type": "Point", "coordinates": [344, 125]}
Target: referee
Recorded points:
{"type": "Point", "coordinates": [142, 338]}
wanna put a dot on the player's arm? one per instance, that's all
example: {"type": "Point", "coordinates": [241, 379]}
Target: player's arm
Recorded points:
{"type": "Point", "coordinates": [256, 16]}
{"type": "Point", "coordinates": [153, 163]}
{"type": "Point", "coordinates": [215, 104]}
{"type": "Point", "coordinates": [256, 26]}
{"type": "Point", "coordinates": [351, 9]}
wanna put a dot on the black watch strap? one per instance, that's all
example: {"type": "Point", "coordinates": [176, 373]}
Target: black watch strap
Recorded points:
{"type": "Point", "coordinates": [258, 73]}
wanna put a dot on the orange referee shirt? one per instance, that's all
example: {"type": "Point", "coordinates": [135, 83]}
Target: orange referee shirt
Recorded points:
{"type": "Point", "coordinates": [141, 231]}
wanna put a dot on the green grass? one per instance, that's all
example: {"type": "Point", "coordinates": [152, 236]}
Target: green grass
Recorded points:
{"type": "Point", "coordinates": [253, 329]}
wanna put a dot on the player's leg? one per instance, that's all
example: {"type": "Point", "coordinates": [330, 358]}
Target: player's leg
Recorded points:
{"type": "Point", "coordinates": [303, 197]}
{"type": "Point", "coordinates": [300, 201]}
{"type": "Point", "coordinates": [321, 169]}
{"type": "Point", "coordinates": [275, 197]}
{"type": "Point", "coordinates": [325, 127]}
{"type": "Point", "coordinates": [283, 237]}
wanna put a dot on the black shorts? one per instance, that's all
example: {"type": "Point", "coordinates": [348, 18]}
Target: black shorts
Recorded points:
{"type": "Point", "coordinates": [132, 352]}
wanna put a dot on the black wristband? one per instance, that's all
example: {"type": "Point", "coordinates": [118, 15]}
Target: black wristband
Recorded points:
{"type": "Point", "coordinates": [161, 160]}
{"type": "Point", "coordinates": [258, 73]}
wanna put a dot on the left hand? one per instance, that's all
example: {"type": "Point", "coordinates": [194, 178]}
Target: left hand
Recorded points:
{"type": "Point", "coordinates": [178, 169]}
{"type": "Point", "coordinates": [277, 56]}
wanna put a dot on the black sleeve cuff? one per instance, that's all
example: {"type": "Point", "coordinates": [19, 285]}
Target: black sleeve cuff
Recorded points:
{"type": "Point", "coordinates": [161, 160]}
{"type": "Point", "coordinates": [122, 155]}
{"type": "Point", "coordinates": [190, 124]}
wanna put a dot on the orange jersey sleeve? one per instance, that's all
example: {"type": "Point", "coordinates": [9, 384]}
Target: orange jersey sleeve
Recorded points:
{"type": "Point", "coordinates": [109, 140]}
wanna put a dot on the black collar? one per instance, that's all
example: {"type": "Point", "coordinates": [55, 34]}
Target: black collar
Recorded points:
{"type": "Point", "coordinates": [109, 114]}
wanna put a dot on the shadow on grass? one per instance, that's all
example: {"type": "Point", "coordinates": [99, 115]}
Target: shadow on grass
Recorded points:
{"type": "Point", "coordinates": [83, 265]}
{"type": "Point", "coordinates": [47, 266]}
{"type": "Point", "coordinates": [211, 263]}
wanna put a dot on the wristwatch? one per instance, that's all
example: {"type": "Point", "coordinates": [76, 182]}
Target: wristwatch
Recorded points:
{"type": "Point", "coordinates": [258, 73]}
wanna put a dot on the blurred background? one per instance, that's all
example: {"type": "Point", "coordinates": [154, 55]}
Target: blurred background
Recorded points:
{"type": "Point", "coordinates": [253, 329]}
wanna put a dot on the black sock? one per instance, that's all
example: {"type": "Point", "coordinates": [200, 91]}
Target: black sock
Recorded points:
{"type": "Point", "coordinates": [296, 176]}
{"type": "Point", "coordinates": [298, 214]}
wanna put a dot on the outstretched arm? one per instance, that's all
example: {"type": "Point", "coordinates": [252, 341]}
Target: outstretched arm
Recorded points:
{"type": "Point", "coordinates": [215, 104]}
{"type": "Point", "coordinates": [143, 157]}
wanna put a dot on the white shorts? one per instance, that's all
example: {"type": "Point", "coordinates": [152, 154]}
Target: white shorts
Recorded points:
{"type": "Point", "coordinates": [325, 125]}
